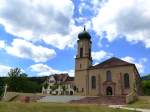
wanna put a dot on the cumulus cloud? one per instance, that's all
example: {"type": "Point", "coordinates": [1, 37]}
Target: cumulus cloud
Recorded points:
{"type": "Point", "coordinates": [34, 20]}
{"type": "Point", "coordinates": [139, 64]}
{"type": "Point", "coordinates": [4, 70]}
{"type": "Point", "coordinates": [83, 7]}
{"type": "Point", "coordinates": [124, 18]}
{"type": "Point", "coordinates": [91, 6]}
{"type": "Point", "coordinates": [99, 55]}
{"type": "Point", "coordinates": [62, 41]}
{"type": "Point", "coordinates": [2, 44]}
{"type": "Point", "coordinates": [96, 4]}
{"type": "Point", "coordinates": [24, 49]}
{"type": "Point", "coordinates": [45, 70]}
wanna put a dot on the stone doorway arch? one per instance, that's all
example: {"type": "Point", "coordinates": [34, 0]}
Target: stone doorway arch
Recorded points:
{"type": "Point", "coordinates": [71, 92]}
{"type": "Point", "coordinates": [109, 91]}
{"type": "Point", "coordinates": [109, 88]}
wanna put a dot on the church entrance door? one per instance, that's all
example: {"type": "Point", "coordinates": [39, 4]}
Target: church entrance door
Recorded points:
{"type": "Point", "coordinates": [109, 91]}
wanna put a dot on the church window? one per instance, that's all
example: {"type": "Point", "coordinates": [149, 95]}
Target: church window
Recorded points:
{"type": "Point", "coordinates": [126, 81]}
{"type": "Point", "coordinates": [81, 52]}
{"type": "Point", "coordinates": [89, 52]}
{"type": "Point", "coordinates": [82, 89]}
{"type": "Point", "coordinates": [80, 66]}
{"type": "Point", "coordinates": [108, 76]}
{"type": "Point", "coordinates": [93, 80]}
{"type": "Point", "coordinates": [74, 88]}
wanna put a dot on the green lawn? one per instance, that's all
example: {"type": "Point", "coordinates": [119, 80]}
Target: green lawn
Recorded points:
{"type": "Point", "coordinates": [53, 107]}
{"type": "Point", "coordinates": [143, 102]}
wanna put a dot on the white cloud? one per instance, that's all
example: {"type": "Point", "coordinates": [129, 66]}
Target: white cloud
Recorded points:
{"type": "Point", "coordinates": [139, 64]}
{"type": "Point", "coordinates": [91, 6]}
{"type": "Point", "coordinates": [24, 49]}
{"type": "Point", "coordinates": [81, 20]}
{"type": "Point", "coordinates": [124, 17]}
{"type": "Point", "coordinates": [2, 44]}
{"type": "Point", "coordinates": [61, 41]}
{"type": "Point", "coordinates": [48, 20]}
{"type": "Point", "coordinates": [45, 70]}
{"type": "Point", "coordinates": [96, 63]}
{"type": "Point", "coordinates": [4, 70]}
{"type": "Point", "coordinates": [96, 4]}
{"type": "Point", "coordinates": [128, 59]}
{"type": "Point", "coordinates": [83, 7]}
{"type": "Point", "coordinates": [99, 55]}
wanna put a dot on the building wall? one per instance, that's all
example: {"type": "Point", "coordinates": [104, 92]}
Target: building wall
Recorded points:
{"type": "Point", "coordinates": [117, 78]}
{"type": "Point", "coordinates": [96, 91]}
{"type": "Point", "coordinates": [100, 74]}
{"type": "Point", "coordinates": [81, 82]}
{"type": "Point", "coordinates": [82, 64]}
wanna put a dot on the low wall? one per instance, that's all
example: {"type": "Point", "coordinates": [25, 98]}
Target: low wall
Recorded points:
{"type": "Point", "coordinates": [9, 96]}
{"type": "Point", "coordinates": [144, 98]}
{"type": "Point", "coordinates": [13, 95]}
{"type": "Point", "coordinates": [131, 97]}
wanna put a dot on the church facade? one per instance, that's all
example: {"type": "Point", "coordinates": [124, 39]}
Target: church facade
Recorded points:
{"type": "Point", "coordinates": [113, 77]}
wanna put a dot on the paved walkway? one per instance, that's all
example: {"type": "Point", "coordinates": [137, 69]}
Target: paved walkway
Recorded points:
{"type": "Point", "coordinates": [128, 108]}
{"type": "Point", "coordinates": [62, 99]}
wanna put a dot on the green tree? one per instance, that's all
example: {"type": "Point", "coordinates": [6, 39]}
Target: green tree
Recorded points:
{"type": "Point", "coordinates": [16, 72]}
{"type": "Point", "coordinates": [54, 87]}
{"type": "Point", "coordinates": [146, 87]}
{"type": "Point", "coordinates": [14, 79]}
{"type": "Point", "coordinates": [45, 84]}
{"type": "Point", "coordinates": [19, 82]}
{"type": "Point", "coordinates": [1, 86]}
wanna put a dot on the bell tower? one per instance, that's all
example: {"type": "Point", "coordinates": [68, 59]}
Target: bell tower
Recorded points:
{"type": "Point", "coordinates": [83, 61]}
{"type": "Point", "coordinates": [83, 57]}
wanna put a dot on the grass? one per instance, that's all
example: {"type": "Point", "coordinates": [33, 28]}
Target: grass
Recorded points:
{"type": "Point", "coordinates": [143, 102]}
{"type": "Point", "coordinates": [54, 107]}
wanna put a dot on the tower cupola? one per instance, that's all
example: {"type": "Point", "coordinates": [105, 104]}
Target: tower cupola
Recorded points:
{"type": "Point", "coordinates": [84, 34]}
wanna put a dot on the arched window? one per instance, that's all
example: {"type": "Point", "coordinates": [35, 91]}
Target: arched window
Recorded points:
{"type": "Point", "coordinates": [80, 66]}
{"type": "Point", "coordinates": [93, 81]}
{"type": "Point", "coordinates": [81, 52]}
{"type": "Point", "coordinates": [108, 76]}
{"type": "Point", "coordinates": [89, 52]}
{"type": "Point", "coordinates": [126, 81]}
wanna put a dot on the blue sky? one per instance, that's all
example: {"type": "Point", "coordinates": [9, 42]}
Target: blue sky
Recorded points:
{"type": "Point", "coordinates": [39, 36]}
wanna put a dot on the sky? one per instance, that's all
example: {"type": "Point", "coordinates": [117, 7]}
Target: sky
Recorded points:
{"type": "Point", "coordinates": [39, 36]}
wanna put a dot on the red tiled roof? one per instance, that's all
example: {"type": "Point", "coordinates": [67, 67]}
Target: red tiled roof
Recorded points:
{"type": "Point", "coordinates": [112, 62]}
{"type": "Point", "coordinates": [61, 77]}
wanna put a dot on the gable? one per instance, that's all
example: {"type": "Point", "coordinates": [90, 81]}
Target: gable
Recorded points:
{"type": "Point", "coordinates": [51, 79]}
{"type": "Point", "coordinates": [112, 62]}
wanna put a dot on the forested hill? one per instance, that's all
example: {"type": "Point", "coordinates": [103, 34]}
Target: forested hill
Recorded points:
{"type": "Point", "coordinates": [39, 80]}
{"type": "Point", "coordinates": [146, 77]}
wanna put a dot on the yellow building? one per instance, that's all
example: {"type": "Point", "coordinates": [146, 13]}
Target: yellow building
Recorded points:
{"type": "Point", "coordinates": [113, 77]}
